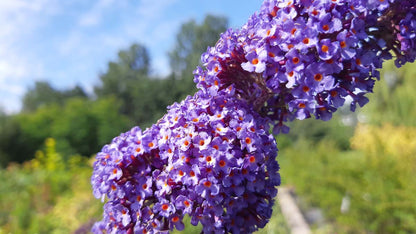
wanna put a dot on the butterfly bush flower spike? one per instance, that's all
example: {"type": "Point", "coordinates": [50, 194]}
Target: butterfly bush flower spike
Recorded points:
{"type": "Point", "coordinates": [212, 157]}
{"type": "Point", "coordinates": [216, 165]}
{"type": "Point", "coordinates": [300, 58]}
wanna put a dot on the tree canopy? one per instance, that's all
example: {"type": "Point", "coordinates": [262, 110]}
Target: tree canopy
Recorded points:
{"type": "Point", "coordinates": [191, 41]}
{"type": "Point", "coordinates": [42, 93]}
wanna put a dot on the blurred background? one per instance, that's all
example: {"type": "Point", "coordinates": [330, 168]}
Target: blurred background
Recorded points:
{"type": "Point", "coordinates": [75, 74]}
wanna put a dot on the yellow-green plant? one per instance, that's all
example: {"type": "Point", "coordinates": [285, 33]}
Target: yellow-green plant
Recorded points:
{"type": "Point", "coordinates": [49, 159]}
{"type": "Point", "coordinates": [48, 194]}
{"type": "Point", "coordinates": [398, 142]}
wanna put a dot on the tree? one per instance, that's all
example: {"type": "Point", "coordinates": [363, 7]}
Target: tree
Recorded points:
{"type": "Point", "coordinates": [191, 41]}
{"type": "Point", "coordinates": [108, 119]}
{"type": "Point", "coordinates": [77, 91]}
{"type": "Point", "coordinates": [30, 129]}
{"type": "Point", "coordinates": [131, 69]}
{"type": "Point", "coordinates": [9, 132]}
{"type": "Point", "coordinates": [43, 94]}
{"type": "Point", "coordinates": [84, 126]}
{"type": "Point", "coordinates": [143, 98]}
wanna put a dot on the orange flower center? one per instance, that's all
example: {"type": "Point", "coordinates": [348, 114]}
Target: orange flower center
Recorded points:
{"type": "Point", "coordinates": [207, 183]}
{"type": "Point", "coordinates": [165, 207]}
{"type": "Point", "coordinates": [248, 140]}
{"type": "Point", "coordinates": [222, 163]}
{"type": "Point", "coordinates": [318, 77]}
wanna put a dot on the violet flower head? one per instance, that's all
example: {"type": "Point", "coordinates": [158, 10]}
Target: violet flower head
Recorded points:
{"type": "Point", "coordinates": [205, 155]}
{"type": "Point", "coordinates": [269, 60]}
{"type": "Point", "coordinates": [212, 156]}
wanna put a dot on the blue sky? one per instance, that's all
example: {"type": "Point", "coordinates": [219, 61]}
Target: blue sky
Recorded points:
{"type": "Point", "coordinates": [70, 42]}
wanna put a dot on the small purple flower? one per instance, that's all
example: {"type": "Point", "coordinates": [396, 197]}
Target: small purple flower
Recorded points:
{"type": "Point", "coordinates": [256, 61]}
{"type": "Point", "coordinates": [327, 49]}
{"type": "Point", "coordinates": [207, 187]}
{"type": "Point", "coordinates": [336, 97]}
{"type": "Point", "coordinates": [347, 44]}
{"type": "Point", "coordinates": [302, 108]}
{"type": "Point", "coordinates": [185, 204]}
{"type": "Point", "coordinates": [164, 208]}
{"type": "Point", "coordinates": [176, 222]}
{"type": "Point", "coordinates": [309, 39]}
{"type": "Point", "coordinates": [329, 24]}
{"type": "Point", "coordinates": [202, 141]}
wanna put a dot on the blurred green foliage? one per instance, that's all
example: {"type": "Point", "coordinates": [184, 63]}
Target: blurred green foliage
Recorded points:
{"type": "Point", "coordinates": [375, 172]}
{"type": "Point", "coordinates": [80, 126]}
{"type": "Point", "coordinates": [394, 98]}
{"type": "Point", "coordinates": [47, 194]}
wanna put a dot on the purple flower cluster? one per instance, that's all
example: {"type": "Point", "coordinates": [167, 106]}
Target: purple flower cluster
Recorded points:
{"type": "Point", "coordinates": [210, 158]}
{"type": "Point", "coordinates": [298, 58]}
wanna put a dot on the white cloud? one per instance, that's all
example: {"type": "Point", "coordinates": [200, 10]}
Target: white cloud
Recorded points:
{"type": "Point", "coordinates": [10, 95]}
{"type": "Point", "coordinates": [19, 18]}
{"type": "Point", "coordinates": [14, 69]}
{"type": "Point", "coordinates": [94, 16]}
{"type": "Point", "coordinates": [151, 9]}
{"type": "Point", "coordinates": [143, 22]}
{"type": "Point", "coordinates": [11, 88]}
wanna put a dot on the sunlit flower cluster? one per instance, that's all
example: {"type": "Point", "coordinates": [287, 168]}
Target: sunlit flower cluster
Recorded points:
{"type": "Point", "coordinates": [210, 158]}
{"type": "Point", "coordinates": [298, 58]}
